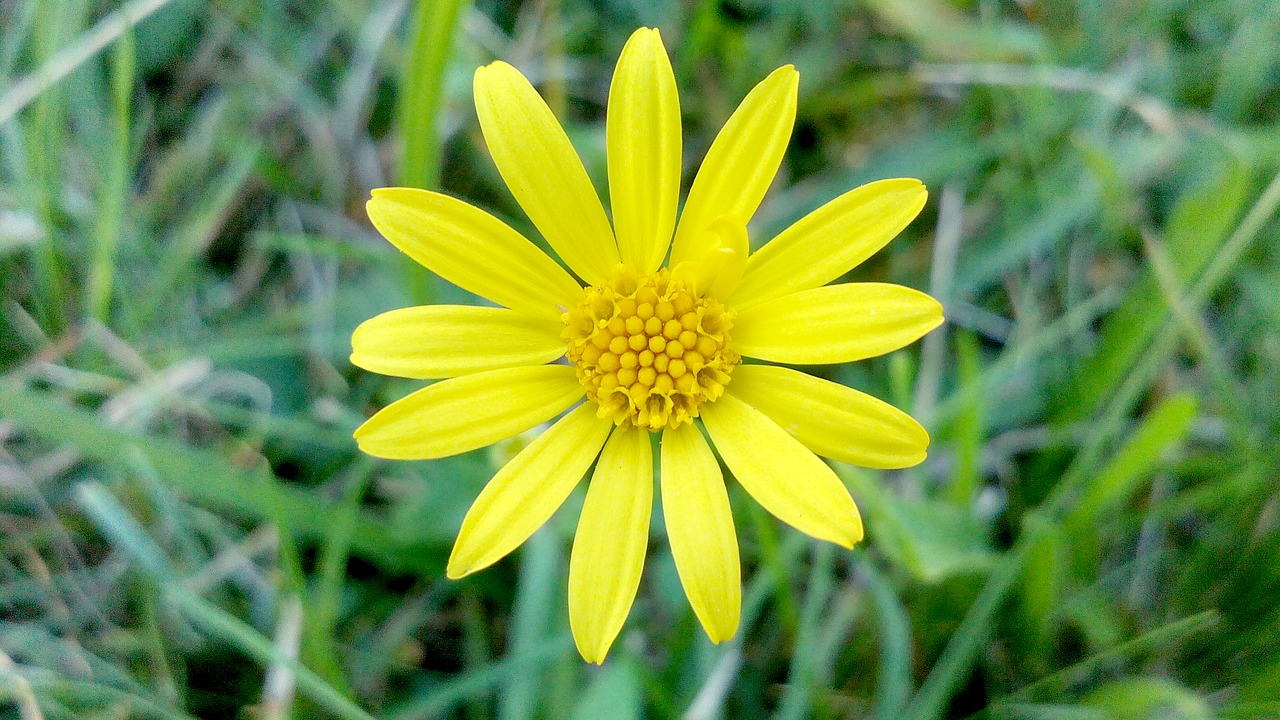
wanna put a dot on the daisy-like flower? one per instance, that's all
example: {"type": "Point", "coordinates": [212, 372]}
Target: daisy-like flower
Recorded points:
{"type": "Point", "coordinates": [642, 349]}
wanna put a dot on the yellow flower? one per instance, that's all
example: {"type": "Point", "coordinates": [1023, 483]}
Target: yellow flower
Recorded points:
{"type": "Point", "coordinates": [651, 348]}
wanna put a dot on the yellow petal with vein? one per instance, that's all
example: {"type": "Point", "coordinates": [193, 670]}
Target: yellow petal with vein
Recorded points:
{"type": "Point", "coordinates": [609, 547]}
{"type": "Point", "coordinates": [469, 412]}
{"type": "Point", "coordinates": [544, 173]}
{"type": "Point", "coordinates": [473, 250]}
{"type": "Point", "coordinates": [835, 323]}
{"type": "Point", "coordinates": [741, 163]}
{"type": "Point", "coordinates": [830, 241]}
{"type": "Point", "coordinates": [832, 420]}
{"type": "Point", "coordinates": [643, 137]}
{"type": "Point", "coordinates": [700, 529]}
{"type": "Point", "coordinates": [439, 341]}
{"type": "Point", "coordinates": [527, 491]}
{"type": "Point", "coordinates": [780, 473]}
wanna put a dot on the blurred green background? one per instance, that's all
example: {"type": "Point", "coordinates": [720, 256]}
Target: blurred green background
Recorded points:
{"type": "Point", "coordinates": [189, 531]}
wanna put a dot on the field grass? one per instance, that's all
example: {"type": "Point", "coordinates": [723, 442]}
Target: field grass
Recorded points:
{"type": "Point", "coordinates": [189, 530]}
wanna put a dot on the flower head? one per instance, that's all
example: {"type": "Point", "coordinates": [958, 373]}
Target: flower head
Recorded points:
{"type": "Point", "coordinates": [644, 350]}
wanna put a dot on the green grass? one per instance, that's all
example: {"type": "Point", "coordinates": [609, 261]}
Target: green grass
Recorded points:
{"type": "Point", "coordinates": [189, 531]}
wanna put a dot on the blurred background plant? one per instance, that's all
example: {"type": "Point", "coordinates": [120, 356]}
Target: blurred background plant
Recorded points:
{"type": "Point", "coordinates": [188, 529]}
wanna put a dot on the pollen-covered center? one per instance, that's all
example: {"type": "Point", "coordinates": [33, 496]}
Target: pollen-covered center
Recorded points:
{"type": "Point", "coordinates": [648, 349]}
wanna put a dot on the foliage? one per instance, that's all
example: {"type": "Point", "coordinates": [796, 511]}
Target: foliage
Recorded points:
{"type": "Point", "coordinates": [188, 529]}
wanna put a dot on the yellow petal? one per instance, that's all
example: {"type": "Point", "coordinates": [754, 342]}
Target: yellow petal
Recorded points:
{"type": "Point", "coordinates": [473, 250]}
{"type": "Point", "coordinates": [544, 173]}
{"type": "Point", "coordinates": [835, 323]}
{"type": "Point", "coordinates": [830, 241]}
{"type": "Point", "coordinates": [438, 341]}
{"type": "Point", "coordinates": [643, 138]}
{"type": "Point", "coordinates": [830, 419]}
{"type": "Point", "coordinates": [780, 473]}
{"type": "Point", "coordinates": [527, 491]}
{"type": "Point", "coordinates": [608, 550]}
{"type": "Point", "coordinates": [700, 529]}
{"type": "Point", "coordinates": [741, 163]}
{"type": "Point", "coordinates": [469, 412]}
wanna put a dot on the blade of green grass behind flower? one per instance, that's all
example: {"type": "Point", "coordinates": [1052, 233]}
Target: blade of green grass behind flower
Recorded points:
{"type": "Point", "coordinates": [894, 679]}
{"type": "Point", "coordinates": [1117, 481]}
{"type": "Point", "coordinates": [537, 592]}
{"type": "Point", "coordinates": [319, 636]}
{"type": "Point", "coordinates": [426, 59]}
{"type": "Point", "coordinates": [422, 90]}
{"type": "Point", "coordinates": [613, 692]}
{"type": "Point", "coordinates": [46, 137]}
{"type": "Point", "coordinates": [968, 433]}
{"type": "Point", "coordinates": [116, 185]}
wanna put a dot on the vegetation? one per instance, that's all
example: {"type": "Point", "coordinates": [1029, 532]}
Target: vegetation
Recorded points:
{"type": "Point", "coordinates": [189, 530]}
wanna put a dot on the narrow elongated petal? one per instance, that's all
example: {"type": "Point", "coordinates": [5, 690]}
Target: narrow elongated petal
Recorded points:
{"type": "Point", "coordinates": [831, 240]}
{"type": "Point", "coordinates": [740, 165]}
{"type": "Point", "coordinates": [780, 473]}
{"type": "Point", "coordinates": [439, 341]}
{"type": "Point", "coordinates": [473, 250]}
{"type": "Point", "coordinates": [469, 412]}
{"type": "Point", "coordinates": [544, 173]}
{"type": "Point", "coordinates": [835, 323]}
{"type": "Point", "coordinates": [832, 420]}
{"type": "Point", "coordinates": [643, 136]}
{"type": "Point", "coordinates": [609, 547]}
{"type": "Point", "coordinates": [527, 491]}
{"type": "Point", "coordinates": [700, 529]}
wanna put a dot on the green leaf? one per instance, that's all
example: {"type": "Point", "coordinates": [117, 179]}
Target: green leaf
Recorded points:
{"type": "Point", "coordinates": [932, 540]}
{"type": "Point", "coordinates": [1149, 698]}
{"type": "Point", "coordinates": [1118, 480]}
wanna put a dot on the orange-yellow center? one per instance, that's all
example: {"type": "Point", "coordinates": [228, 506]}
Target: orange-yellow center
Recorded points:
{"type": "Point", "coordinates": [648, 349]}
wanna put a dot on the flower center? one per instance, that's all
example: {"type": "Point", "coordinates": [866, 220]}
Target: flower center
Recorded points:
{"type": "Point", "coordinates": [648, 349]}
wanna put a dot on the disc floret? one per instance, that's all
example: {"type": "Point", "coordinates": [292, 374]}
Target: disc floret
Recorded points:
{"type": "Point", "coordinates": [649, 349]}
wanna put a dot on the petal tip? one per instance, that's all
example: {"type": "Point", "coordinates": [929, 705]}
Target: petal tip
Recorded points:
{"type": "Point", "coordinates": [493, 68]}
{"type": "Point", "coordinates": [381, 193]}
{"type": "Point", "coordinates": [718, 634]}
{"type": "Point", "coordinates": [367, 446]}
{"type": "Point", "coordinates": [455, 571]}
{"type": "Point", "coordinates": [593, 655]}
{"type": "Point", "coordinates": [852, 537]}
{"type": "Point", "coordinates": [644, 33]}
